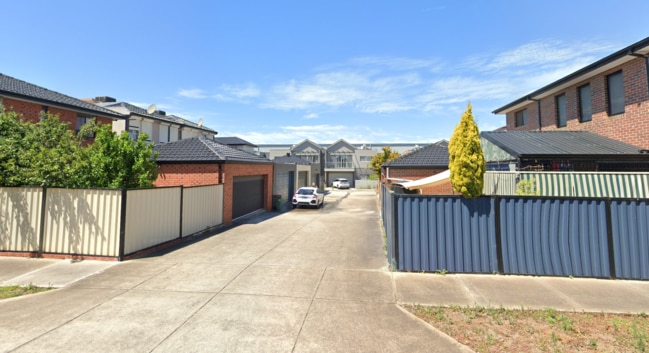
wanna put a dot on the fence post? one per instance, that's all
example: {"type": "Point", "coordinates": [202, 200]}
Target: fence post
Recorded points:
{"type": "Point", "coordinates": [499, 243]}
{"type": "Point", "coordinates": [41, 235]}
{"type": "Point", "coordinates": [182, 193]}
{"type": "Point", "coordinates": [122, 226]}
{"type": "Point", "coordinates": [609, 237]}
{"type": "Point", "coordinates": [395, 236]}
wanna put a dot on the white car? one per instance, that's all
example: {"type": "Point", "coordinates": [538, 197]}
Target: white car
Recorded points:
{"type": "Point", "coordinates": [340, 183]}
{"type": "Point", "coordinates": [308, 196]}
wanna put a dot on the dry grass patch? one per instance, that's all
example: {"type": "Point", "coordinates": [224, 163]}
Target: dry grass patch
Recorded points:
{"type": "Point", "coordinates": [505, 330]}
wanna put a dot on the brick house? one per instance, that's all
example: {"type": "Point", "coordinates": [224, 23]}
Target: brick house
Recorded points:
{"type": "Point", "coordinates": [422, 163]}
{"type": "Point", "coordinates": [609, 97]}
{"type": "Point", "coordinates": [157, 124]}
{"type": "Point", "coordinates": [32, 102]}
{"type": "Point", "coordinates": [247, 179]}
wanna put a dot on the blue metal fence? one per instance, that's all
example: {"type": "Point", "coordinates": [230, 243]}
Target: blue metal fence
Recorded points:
{"type": "Point", "coordinates": [552, 236]}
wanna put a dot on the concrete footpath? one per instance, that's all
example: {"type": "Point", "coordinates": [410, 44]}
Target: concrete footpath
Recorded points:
{"type": "Point", "coordinates": [301, 281]}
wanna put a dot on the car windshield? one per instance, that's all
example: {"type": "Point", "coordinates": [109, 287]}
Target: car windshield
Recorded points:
{"type": "Point", "coordinates": [305, 192]}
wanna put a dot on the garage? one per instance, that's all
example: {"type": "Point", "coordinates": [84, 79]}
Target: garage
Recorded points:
{"type": "Point", "coordinates": [347, 175]}
{"type": "Point", "coordinates": [248, 195]}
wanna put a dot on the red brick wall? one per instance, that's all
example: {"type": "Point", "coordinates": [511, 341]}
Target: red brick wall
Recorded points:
{"type": "Point", "coordinates": [415, 174]}
{"type": "Point", "coordinates": [32, 112]}
{"type": "Point", "coordinates": [208, 174]}
{"type": "Point", "coordinates": [631, 127]}
{"type": "Point", "coordinates": [187, 175]}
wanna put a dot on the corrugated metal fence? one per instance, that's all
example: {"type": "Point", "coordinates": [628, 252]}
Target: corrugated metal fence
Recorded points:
{"type": "Point", "coordinates": [571, 184]}
{"type": "Point", "coordinates": [103, 222]}
{"type": "Point", "coordinates": [581, 237]}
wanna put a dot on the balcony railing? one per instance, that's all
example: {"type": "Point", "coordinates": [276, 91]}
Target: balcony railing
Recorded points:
{"type": "Point", "coordinates": [340, 165]}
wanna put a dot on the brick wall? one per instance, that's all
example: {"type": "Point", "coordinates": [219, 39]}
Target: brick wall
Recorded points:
{"type": "Point", "coordinates": [631, 127]}
{"type": "Point", "coordinates": [416, 174]}
{"type": "Point", "coordinates": [187, 174]}
{"type": "Point", "coordinates": [31, 112]}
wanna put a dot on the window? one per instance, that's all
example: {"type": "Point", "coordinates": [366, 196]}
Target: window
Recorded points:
{"type": "Point", "coordinates": [81, 121]}
{"type": "Point", "coordinates": [44, 110]}
{"type": "Point", "coordinates": [562, 119]}
{"type": "Point", "coordinates": [585, 107]}
{"type": "Point", "coordinates": [615, 87]}
{"type": "Point", "coordinates": [521, 118]}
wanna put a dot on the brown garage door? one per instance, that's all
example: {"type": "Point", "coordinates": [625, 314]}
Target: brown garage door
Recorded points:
{"type": "Point", "coordinates": [247, 195]}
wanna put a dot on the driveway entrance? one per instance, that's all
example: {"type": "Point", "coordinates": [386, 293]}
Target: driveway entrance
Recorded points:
{"type": "Point", "coordinates": [308, 280]}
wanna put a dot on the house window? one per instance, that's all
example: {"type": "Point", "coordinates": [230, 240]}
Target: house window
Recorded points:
{"type": "Point", "coordinates": [585, 107]}
{"type": "Point", "coordinates": [81, 121]}
{"type": "Point", "coordinates": [44, 110]}
{"type": "Point", "coordinates": [562, 119]}
{"type": "Point", "coordinates": [615, 86]}
{"type": "Point", "coordinates": [521, 118]}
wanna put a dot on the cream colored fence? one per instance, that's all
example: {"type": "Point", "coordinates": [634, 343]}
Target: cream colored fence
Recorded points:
{"type": "Point", "coordinates": [202, 208]}
{"type": "Point", "coordinates": [82, 221]}
{"type": "Point", "coordinates": [103, 222]}
{"type": "Point", "coordinates": [20, 218]}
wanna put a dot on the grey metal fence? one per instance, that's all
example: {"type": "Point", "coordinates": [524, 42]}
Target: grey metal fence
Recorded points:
{"type": "Point", "coordinates": [552, 236]}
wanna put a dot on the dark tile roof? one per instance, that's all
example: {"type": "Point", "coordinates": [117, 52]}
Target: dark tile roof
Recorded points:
{"type": "Point", "coordinates": [15, 88]}
{"type": "Point", "coordinates": [233, 141]}
{"type": "Point", "coordinates": [157, 116]}
{"type": "Point", "coordinates": [291, 160]}
{"type": "Point", "coordinates": [559, 143]}
{"type": "Point", "coordinates": [435, 155]}
{"type": "Point", "coordinates": [202, 149]}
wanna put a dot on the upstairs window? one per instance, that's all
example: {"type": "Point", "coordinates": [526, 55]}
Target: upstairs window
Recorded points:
{"type": "Point", "coordinates": [615, 90]}
{"type": "Point", "coordinates": [562, 118]}
{"type": "Point", "coordinates": [585, 105]}
{"type": "Point", "coordinates": [521, 118]}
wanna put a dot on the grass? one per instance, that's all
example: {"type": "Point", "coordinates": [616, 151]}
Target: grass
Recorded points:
{"type": "Point", "coordinates": [523, 330]}
{"type": "Point", "coordinates": [7, 292]}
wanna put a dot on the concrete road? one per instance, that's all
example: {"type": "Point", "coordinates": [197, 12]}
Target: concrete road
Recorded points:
{"type": "Point", "coordinates": [308, 280]}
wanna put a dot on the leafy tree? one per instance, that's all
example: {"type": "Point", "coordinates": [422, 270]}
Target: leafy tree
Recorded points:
{"type": "Point", "coordinates": [49, 154]}
{"type": "Point", "coordinates": [466, 159]}
{"type": "Point", "coordinates": [381, 158]}
{"type": "Point", "coordinates": [43, 154]}
{"type": "Point", "coordinates": [119, 162]}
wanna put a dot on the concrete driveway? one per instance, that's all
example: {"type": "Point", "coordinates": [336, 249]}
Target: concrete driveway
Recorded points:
{"type": "Point", "coordinates": [303, 281]}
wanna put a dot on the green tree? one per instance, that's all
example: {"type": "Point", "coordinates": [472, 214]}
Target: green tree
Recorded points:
{"type": "Point", "coordinates": [49, 154]}
{"type": "Point", "coordinates": [466, 159]}
{"type": "Point", "coordinates": [43, 154]}
{"type": "Point", "coordinates": [116, 161]}
{"type": "Point", "coordinates": [381, 158]}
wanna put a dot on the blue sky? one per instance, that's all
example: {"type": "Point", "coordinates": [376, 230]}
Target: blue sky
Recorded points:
{"type": "Point", "coordinates": [284, 71]}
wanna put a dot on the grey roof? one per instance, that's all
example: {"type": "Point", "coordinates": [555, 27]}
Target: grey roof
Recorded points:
{"type": "Point", "coordinates": [434, 155]}
{"type": "Point", "coordinates": [157, 116]}
{"type": "Point", "coordinates": [560, 143]}
{"type": "Point", "coordinates": [202, 149]}
{"type": "Point", "coordinates": [233, 141]}
{"type": "Point", "coordinates": [15, 88]}
{"type": "Point", "coordinates": [291, 160]}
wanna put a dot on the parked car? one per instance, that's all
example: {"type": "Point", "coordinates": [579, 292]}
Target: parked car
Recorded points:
{"type": "Point", "coordinates": [340, 183]}
{"type": "Point", "coordinates": [308, 196]}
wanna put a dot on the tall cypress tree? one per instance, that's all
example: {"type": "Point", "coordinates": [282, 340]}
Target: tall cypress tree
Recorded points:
{"type": "Point", "coordinates": [466, 159]}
